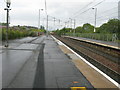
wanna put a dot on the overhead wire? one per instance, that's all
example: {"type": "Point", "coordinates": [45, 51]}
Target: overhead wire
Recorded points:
{"type": "Point", "coordinates": [103, 14]}
{"type": "Point", "coordinates": [76, 15]}
{"type": "Point", "coordinates": [89, 8]}
{"type": "Point", "coordinates": [108, 15]}
{"type": "Point", "coordinates": [113, 17]}
{"type": "Point", "coordinates": [108, 18]}
{"type": "Point", "coordinates": [101, 18]}
{"type": "Point", "coordinates": [109, 10]}
{"type": "Point", "coordinates": [84, 7]}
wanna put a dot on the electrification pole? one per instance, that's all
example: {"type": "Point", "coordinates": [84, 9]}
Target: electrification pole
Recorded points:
{"type": "Point", "coordinates": [47, 26]}
{"type": "Point", "coordinates": [54, 23]}
{"type": "Point", "coordinates": [59, 23]}
{"type": "Point", "coordinates": [65, 24]}
{"type": "Point", "coordinates": [74, 26]}
{"type": "Point", "coordinates": [71, 24]}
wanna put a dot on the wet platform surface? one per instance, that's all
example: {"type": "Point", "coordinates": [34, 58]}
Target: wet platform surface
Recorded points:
{"type": "Point", "coordinates": [56, 70]}
{"type": "Point", "coordinates": [15, 62]}
{"type": "Point", "coordinates": [44, 62]}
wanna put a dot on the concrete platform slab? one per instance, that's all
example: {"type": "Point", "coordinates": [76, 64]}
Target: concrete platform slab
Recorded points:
{"type": "Point", "coordinates": [58, 69]}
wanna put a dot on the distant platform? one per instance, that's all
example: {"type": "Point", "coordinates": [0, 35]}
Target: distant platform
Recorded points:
{"type": "Point", "coordinates": [99, 42]}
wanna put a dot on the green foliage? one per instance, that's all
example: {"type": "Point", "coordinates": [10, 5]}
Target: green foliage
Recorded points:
{"type": "Point", "coordinates": [88, 28]}
{"type": "Point", "coordinates": [42, 27]}
{"type": "Point", "coordinates": [109, 31]}
{"type": "Point", "coordinates": [19, 32]}
{"type": "Point", "coordinates": [62, 31]}
{"type": "Point", "coordinates": [3, 24]}
{"type": "Point", "coordinates": [79, 30]}
{"type": "Point", "coordinates": [97, 36]}
{"type": "Point", "coordinates": [110, 27]}
{"type": "Point", "coordinates": [13, 34]}
{"type": "Point", "coordinates": [38, 30]}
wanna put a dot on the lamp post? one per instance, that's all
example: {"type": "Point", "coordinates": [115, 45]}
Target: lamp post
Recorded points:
{"type": "Point", "coordinates": [8, 3]}
{"type": "Point", "coordinates": [95, 18]}
{"type": "Point", "coordinates": [39, 18]}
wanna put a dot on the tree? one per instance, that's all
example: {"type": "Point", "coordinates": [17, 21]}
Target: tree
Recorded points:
{"type": "Point", "coordinates": [3, 24]}
{"type": "Point", "coordinates": [112, 26]}
{"type": "Point", "coordinates": [88, 28]}
{"type": "Point", "coordinates": [79, 29]}
{"type": "Point", "coordinates": [42, 27]}
{"type": "Point", "coordinates": [102, 28]}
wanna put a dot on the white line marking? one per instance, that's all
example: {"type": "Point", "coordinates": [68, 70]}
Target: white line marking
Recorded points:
{"type": "Point", "coordinates": [109, 78]}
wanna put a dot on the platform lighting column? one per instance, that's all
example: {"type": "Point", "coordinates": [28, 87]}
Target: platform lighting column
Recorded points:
{"type": "Point", "coordinates": [8, 3]}
{"type": "Point", "coordinates": [95, 18]}
{"type": "Point", "coordinates": [39, 18]}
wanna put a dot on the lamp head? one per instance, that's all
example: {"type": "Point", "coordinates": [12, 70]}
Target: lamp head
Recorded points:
{"type": "Point", "coordinates": [8, 2]}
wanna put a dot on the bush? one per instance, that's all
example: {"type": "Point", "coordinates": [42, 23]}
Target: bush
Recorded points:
{"type": "Point", "coordinates": [14, 34]}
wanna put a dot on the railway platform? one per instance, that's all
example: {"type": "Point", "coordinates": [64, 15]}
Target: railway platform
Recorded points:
{"type": "Point", "coordinates": [50, 64]}
{"type": "Point", "coordinates": [98, 42]}
{"type": "Point", "coordinates": [59, 67]}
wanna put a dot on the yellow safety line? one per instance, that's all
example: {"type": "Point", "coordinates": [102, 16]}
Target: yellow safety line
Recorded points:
{"type": "Point", "coordinates": [97, 43]}
{"type": "Point", "coordinates": [78, 88]}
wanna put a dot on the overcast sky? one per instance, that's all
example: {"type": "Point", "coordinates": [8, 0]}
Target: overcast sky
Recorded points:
{"type": "Point", "coordinates": [25, 12]}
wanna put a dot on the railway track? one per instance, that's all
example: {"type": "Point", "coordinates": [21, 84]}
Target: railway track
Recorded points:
{"type": "Point", "coordinates": [104, 58]}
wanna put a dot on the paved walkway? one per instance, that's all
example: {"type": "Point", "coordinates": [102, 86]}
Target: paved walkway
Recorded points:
{"type": "Point", "coordinates": [19, 62]}
{"type": "Point", "coordinates": [56, 70]}
{"type": "Point", "coordinates": [51, 65]}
